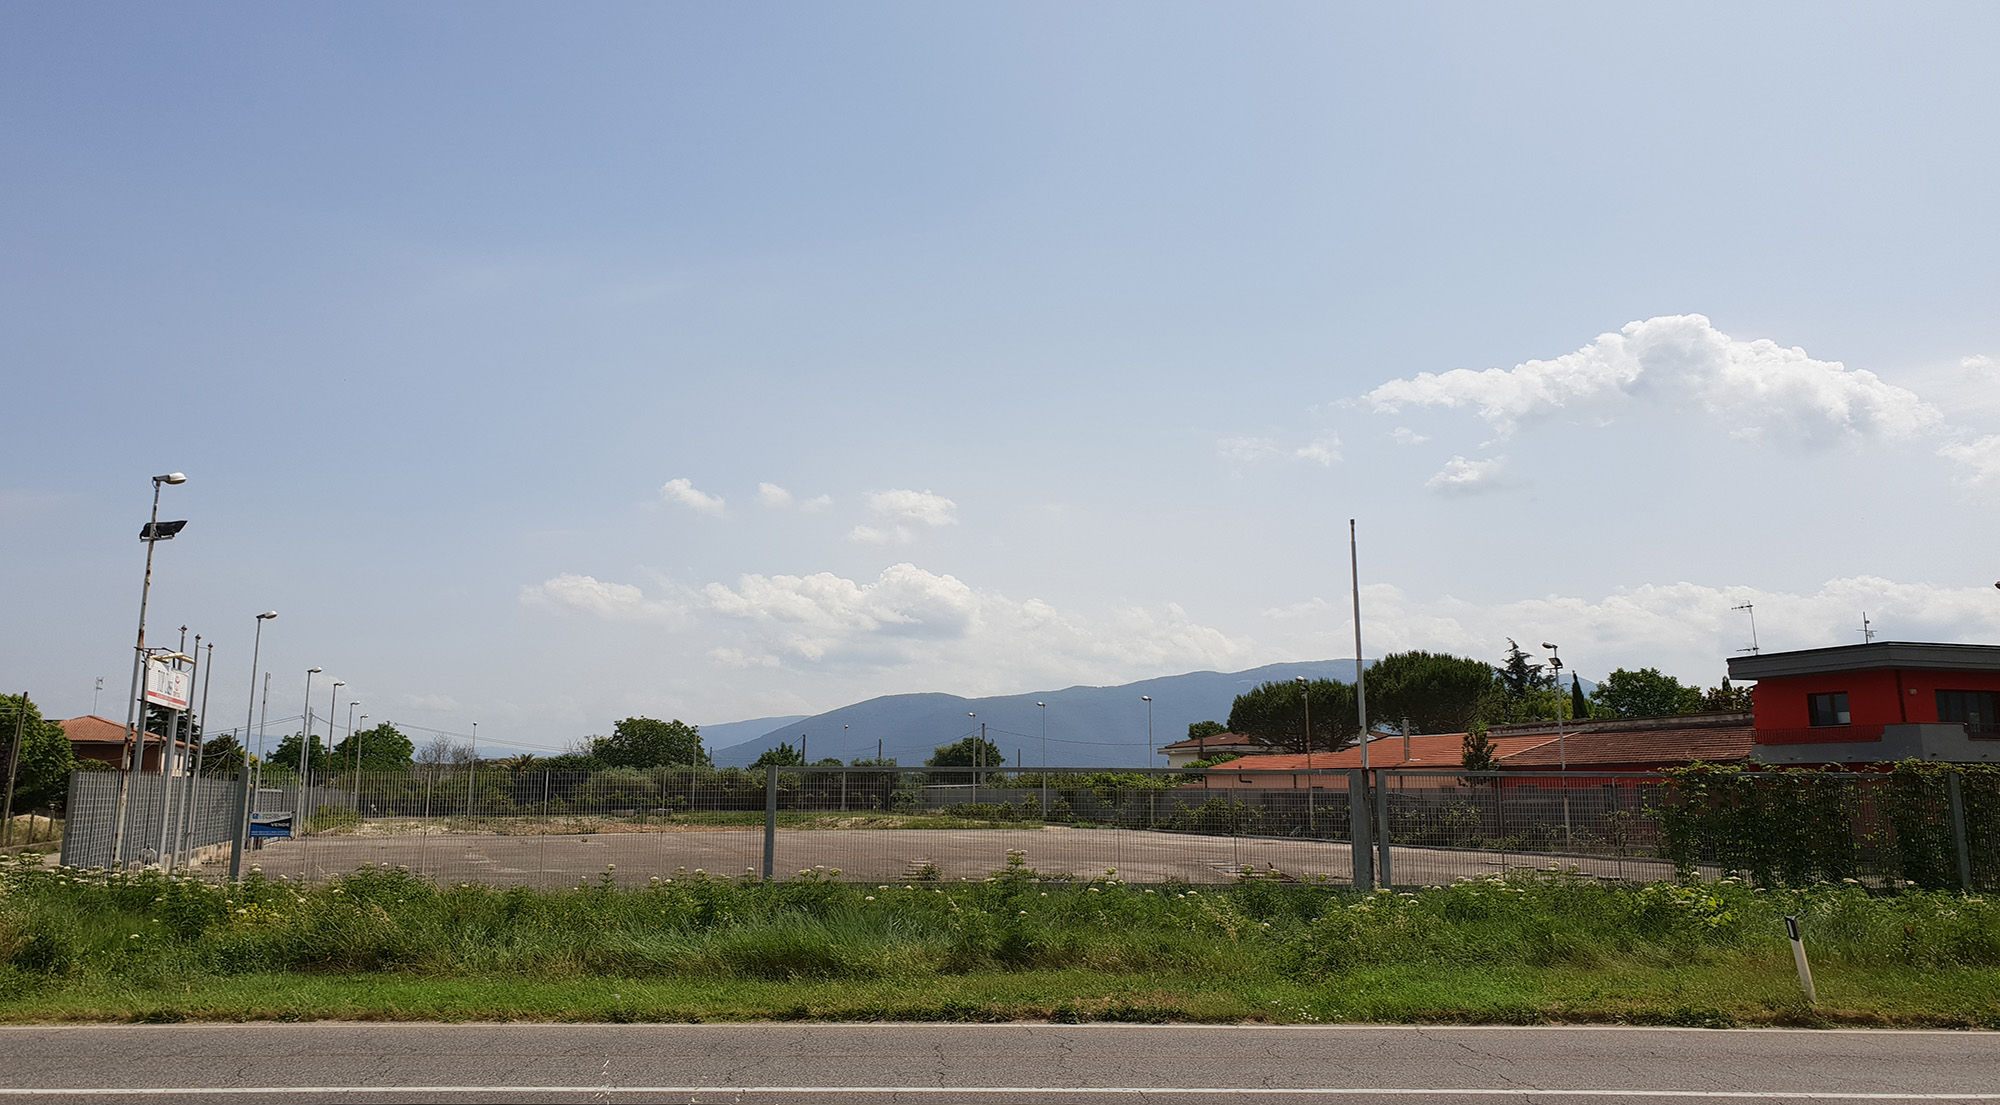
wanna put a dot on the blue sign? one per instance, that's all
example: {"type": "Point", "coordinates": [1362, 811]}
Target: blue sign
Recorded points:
{"type": "Point", "coordinates": [267, 825]}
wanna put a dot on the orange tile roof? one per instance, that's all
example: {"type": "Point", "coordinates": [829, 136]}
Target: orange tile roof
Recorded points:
{"type": "Point", "coordinates": [1638, 748]}
{"type": "Point", "coordinates": [91, 729]}
{"type": "Point", "coordinates": [1435, 750]}
{"type": "Point", "coordinates": [1220, 741]}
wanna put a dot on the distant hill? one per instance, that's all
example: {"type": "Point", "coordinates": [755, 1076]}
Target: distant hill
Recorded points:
{"type": "Point", "coordinates": [715, 737]}
{"type": "Point", "coordinates": [1087, 726]}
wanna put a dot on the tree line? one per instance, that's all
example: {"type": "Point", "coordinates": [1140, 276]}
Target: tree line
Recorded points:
{"type": "Point", "coordinates": [1440, 693]}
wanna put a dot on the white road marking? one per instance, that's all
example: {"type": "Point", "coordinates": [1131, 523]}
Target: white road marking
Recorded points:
{"type": "Point", "coordinates": [1043, 1091]}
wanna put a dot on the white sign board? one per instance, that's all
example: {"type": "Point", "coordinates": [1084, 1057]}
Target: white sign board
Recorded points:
{"type": "Point", "coordinates": [167, 687]}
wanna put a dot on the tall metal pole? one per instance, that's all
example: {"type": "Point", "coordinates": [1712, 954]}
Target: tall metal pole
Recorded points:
{"type": "Point", "coordinates": [1360, 687]}
{"type": "Point", "coordinates": [245, 796]}
{"type": "Point", "coordinates": [167, 761]}
{"type": "Point", "coordinates": [13, 768]}
{"type": "Point", "coordinates": [1562, 749]}
{"type": "Point", "coordinates": [332, 708]}
{"type": "Point", "coordinates": [200, 754]}
{"type": "Point", "coordinates": [1045, 759]}
{"type": "Point", "coordinates": [356, 741]}
{"type": "Point", "coordinates": [307, 742]}
{"type": "Point", "coordinates": [133, 715]}
{"type": "Point", "coordinates": [1148, 700]}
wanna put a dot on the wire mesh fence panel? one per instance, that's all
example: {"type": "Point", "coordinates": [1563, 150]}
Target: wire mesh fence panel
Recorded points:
{"type": "Point", "coordinates": [490, 824]}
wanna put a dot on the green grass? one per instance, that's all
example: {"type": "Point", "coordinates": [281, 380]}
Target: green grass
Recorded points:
{"type": "Point", "coordinates": [382, 945]}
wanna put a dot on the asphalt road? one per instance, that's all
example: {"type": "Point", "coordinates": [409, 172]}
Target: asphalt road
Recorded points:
{"type": "Point", "coordinates": [922, 1064]}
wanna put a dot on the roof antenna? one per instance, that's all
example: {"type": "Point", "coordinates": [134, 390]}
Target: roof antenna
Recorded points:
{"type": "Point", "coordinates": [1752, 610]}
{"type": "Point", "coordinates": [1867, 634]}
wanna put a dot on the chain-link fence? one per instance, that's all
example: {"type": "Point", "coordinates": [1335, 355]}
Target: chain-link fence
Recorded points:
{"type": "Point", "coordinates": [1925, 825]}
{"type": "Point", "coordinates": [554, 828]}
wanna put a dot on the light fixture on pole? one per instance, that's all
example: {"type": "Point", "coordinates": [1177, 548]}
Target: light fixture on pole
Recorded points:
{"type": "Point", "coordinates": [1305, 698]}
{"type": "Point", "coordinates": [152, 533]}
{"type": "Point", "coordinates": [355, 739]}
{"type": "Point", "coordinates": [1045, 759]}
{"type": "Point", "coordinates": [244, 801]}
{"type": "Point", "coordinates": [332, 705]}
{"type": "Point", "coordinates": [307, 742]}
{"type": "Point", "coordinates": [1562, 750]}
{"type": "Point", "coordinates": [1148, 700]}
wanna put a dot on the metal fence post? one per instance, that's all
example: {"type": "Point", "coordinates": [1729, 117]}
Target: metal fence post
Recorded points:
{"type": "Point", "coordinates": [1382, 828]}
{"type": "Point", "coordinates": [1357, 828]}
{"type": "Point", "coordinates": [770, 820]}
{"type": "Point", "coordinates": [1957, 797]}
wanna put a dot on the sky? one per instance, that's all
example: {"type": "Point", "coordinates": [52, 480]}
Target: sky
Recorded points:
{"type": "Point", "coordinates": [545, 365]}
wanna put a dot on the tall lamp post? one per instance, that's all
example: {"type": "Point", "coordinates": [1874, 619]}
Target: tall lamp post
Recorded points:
{"type": "Point", "coordinates": [1045, 759]}
{"type": "Point", "coordinates": [354, 744]}
{"type": "Point", "coordinates": [1306, 703]}
{"type": "Point", "coordinates": [152, 534]}
{"type": "Point", "coordinates": [332, 705]}
{"type": "Point", "coordinates": [307, 742]}
{"type": "Point", "coordinates": [1148, 700]}
{"type": "Point", "coordinates": [1562, 749]}
{"type": "Point", "coordinates": [242, 843]}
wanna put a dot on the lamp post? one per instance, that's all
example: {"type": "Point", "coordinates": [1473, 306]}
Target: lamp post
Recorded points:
{"type": "Point", "coordinates": [152, 534]}
{"type": "Point", "coordinates": [354, 745]}
{"type": "Point", "coordinates": [353, 761]}
{"type": "Point", "coordinates": [1148, 700]}
{"type": "Point", "coordinates": [1306, 703]}
{"type": "Point", "coordinates": [307, 742]}
{"type": "Point", "coordinates": [1562, 749]}
{"type": "Point", "coordinates": [332, 706]}
{"type": "Point", "coordinates": [243, 801]}
{"type": "Point", "coordinates": [1045, 759]}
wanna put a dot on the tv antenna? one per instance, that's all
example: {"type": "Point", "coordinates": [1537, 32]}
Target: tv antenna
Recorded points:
{"type": "Point", "coordinates": [1867, 634]}
{"type": "Point", "coordinates": [1750, 609]}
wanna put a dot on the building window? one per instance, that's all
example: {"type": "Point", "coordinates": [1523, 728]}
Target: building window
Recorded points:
{"type": "Point", "coordinates": [1828, 709]}
{"type": "Point", "coordinates": [1979, 711]}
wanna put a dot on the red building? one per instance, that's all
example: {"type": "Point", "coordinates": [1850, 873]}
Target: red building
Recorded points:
{"type": "Point", "coordinates": [1875, 703]}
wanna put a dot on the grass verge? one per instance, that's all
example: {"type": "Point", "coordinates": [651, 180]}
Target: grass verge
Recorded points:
{"type": "Point", "coordinates": [1548, 948]}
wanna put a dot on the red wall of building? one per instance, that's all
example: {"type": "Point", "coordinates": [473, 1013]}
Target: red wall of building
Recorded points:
{"type": "Point", "coordinates": [1874, 699]}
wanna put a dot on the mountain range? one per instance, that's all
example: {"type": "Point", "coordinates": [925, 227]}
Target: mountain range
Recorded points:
{"type": "Point", "coordinates": [1087, 726]}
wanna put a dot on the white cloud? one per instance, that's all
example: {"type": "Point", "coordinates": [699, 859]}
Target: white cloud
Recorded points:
{"type": "Point", "coordinates": [920, 507]}
{"type": "Point", "coordinates": [1325, 449]}
{"type": "Point", "coordinates": [736, 658]}
{"type": "Point", "coordinates": [1460, 476]}
{"type": "Point", "coordinates": [817, 503]}
{"type": "Point", "coordinates": [1758, 388]}
{"type": "Point", "coordinates": [683, 491]}
{"type": "Point", "coordinates": [770, 494]}
{"type": "Point", "coordinates": [1403, 435]}
{"type": "Point", "coordinates": [1982, 456]}
{"type": "Point", "coordinates": [434, 703]}
{"type": "Point", "coordinates": [1246, 450]}
{"type": "Point", "coordinates": [897, 511]}
{"type": "Point", "coordinates": [617, 602]}
{"type": "Point", "coordinates": [910, 616]}
{"type": "Point", "coordinates": [1978, 363]}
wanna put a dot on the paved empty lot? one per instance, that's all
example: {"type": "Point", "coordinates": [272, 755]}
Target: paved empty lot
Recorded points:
{"type": "Point", "coordinates": [887, 854]}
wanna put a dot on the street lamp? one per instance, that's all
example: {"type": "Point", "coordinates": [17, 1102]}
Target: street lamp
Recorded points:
{"type": "Point", "coordinates": [152, 534]}
{"type": "Point", "coordinates": [354, 752]}
{"type": "Point", "coordinates": [332, 706]}
{"type": "Point", "coordinates": [1562, 750]}
{"type": "Point", "coordinates": [1306, 701]}
{"type": "Point", "coordinates": [310, 672]}
{"type": "Point", "coordinates": [244, 802]}
{"type": "Point", "coordinates": [1045, 759]}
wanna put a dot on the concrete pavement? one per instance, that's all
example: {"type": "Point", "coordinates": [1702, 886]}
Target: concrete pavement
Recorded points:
{"type": "Point", "coordinates": [921, 1064]}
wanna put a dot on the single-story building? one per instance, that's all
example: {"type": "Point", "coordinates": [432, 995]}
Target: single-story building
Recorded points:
{"type": "Point", "coordinates": [101, 739]}
{"type": "Point", "coordinates": [1183, 753]}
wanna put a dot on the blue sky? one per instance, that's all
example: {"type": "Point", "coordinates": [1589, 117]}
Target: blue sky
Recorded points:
{"type": "Point", "coordinates": [544, 365]}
